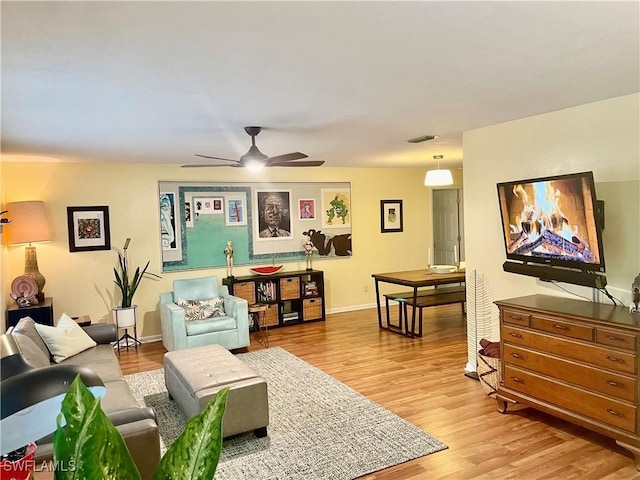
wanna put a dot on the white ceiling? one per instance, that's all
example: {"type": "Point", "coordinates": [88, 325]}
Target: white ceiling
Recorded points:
{"type": "Point", "coordinates": [344, 82]}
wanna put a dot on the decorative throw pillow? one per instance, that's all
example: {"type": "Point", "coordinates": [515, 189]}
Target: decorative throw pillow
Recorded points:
{"type": "Point", "coordinates": [26, 327]}
{"type": "Point", "coordinates": [66, 339]}
{"type": "Point", "coordinates": [200, 309]}
{"type": "Point", "coordinates": [32, 347]}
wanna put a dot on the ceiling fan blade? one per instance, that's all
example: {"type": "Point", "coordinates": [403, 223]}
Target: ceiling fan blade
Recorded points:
{"type": "Point", "coordinates": [216, 158]}
{"type": "Point", "coordinates": [202, 165]}
{"type": "Point", "coordinates": [287, 157]}
{"type": "Point", "coordinates": [306, 163]}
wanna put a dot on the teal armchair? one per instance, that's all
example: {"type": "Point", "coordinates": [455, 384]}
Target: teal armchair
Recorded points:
{"type": "Point", "coordinates": [231, 329]}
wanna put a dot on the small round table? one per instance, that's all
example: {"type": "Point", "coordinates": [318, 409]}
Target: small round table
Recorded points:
{"type": "Point", "coordinates": [258, 312]}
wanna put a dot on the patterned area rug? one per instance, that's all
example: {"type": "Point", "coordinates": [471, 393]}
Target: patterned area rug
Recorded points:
{"type": "Point", "coordinates": [319, 427]}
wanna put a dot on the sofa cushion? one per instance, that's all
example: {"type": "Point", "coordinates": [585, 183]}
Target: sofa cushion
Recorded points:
{"type": "Point", "coordinates": [26, 329]}
{"type": "Point", "coordinates": [31, 352]}
{"type": "Point", "coordinates": [118, 397]}
{"type": "Point", "coordinates": [66, 339]}
{"type": "Point", "coordinates": [101, 359]}
{"type": "Point", "coordinates": [208, 325]}
{"type": "Point", "coordinates": [196, 288]}
{"type": "Point", "coordinates": [199, 309]}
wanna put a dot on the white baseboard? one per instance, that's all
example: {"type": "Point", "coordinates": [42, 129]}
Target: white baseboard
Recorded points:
{"type": "Point", "coordinates": [151, 338]}
{"type": "Point", "coordinates": [350, 308]}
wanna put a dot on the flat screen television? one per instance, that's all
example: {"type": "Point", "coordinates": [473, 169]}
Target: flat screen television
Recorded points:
{"type": "Point", "coordinates": [553, 221]}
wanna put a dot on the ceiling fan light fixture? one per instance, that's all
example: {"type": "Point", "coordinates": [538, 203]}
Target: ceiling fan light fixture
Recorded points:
{"type": "Point", "coordinates": [253, 155]}
{"type": "Point", "coordinates": [254, 165]}
{"type": "Point", "coordinates": [438, 177]}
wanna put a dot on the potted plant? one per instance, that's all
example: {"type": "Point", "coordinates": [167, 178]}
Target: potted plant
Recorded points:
{"type": "Point", "coordinates": [94, 448]}
{"type": "Point", "coordinates": [128, 285]}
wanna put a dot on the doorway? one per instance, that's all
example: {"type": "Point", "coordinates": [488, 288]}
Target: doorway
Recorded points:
{"type": "Point", "coordinates": [448, 226]}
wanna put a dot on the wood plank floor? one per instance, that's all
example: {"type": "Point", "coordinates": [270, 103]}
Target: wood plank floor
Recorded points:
{"type": "Point", "coordinates": [422, 380]}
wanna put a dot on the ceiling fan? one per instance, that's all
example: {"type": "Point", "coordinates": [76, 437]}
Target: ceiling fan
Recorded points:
{"type": "Point", "coordinates": [254, 159]}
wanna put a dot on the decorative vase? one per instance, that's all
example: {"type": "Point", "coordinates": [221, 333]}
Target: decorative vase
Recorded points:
{"type": "Point", "coordinates": [125, 317]}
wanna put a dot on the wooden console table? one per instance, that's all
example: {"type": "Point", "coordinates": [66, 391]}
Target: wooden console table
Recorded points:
{"type": "Point", "coordinates": [575, 360]}
{"type": "Point", "coordinates": [413, 279]}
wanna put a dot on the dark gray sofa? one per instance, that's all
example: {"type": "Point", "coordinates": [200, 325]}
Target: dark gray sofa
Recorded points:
{"type": "Point", "coordinates": [137, 425]}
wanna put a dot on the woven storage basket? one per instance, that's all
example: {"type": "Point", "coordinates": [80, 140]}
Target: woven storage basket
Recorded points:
{"type": "Point", "coordinates": [489, 373]}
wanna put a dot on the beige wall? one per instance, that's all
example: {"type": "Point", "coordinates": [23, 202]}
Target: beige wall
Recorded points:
{"type": "Point", "coordinates": [82, 282]}
{"type": "Point", "coordinates": [602, 137]}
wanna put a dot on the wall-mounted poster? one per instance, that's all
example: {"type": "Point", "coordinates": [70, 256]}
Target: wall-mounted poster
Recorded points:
{"type": "Point", "coordinates": [336, 208]}
{"type": "Point", "coordinates": [264, 222]}
{"type": "Point", "coordinates": [236, 207]}
{"type": "Point", "coordinates": [307, 209]}
{"type": "Point", "coordinates": [209, 205]}
{"type": "Point", "coordinates": [274, 220]}
{"type": "Point", "coordinates": [168, 221]}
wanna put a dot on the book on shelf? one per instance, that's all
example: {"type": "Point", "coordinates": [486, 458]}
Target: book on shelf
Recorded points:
{"type": "Point", "coordinates": [310, 288]}
{"type": "Point", "coordinates": [266, 291]}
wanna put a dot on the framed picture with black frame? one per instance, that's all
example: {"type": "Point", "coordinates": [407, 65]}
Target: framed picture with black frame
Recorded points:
{"type": "Point", "coordinates": [88, 228]}
{"type": "Point", "coordinates": [390, 216]}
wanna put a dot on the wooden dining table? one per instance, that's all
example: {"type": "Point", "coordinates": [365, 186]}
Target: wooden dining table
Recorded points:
{"type": "Point", "coordinates": [414, 279]}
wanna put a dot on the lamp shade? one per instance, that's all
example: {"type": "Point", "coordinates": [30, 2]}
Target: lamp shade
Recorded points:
{"type": "Point", "coordinates": [32, 400]}
{"type": "Point", "coordinates": [435, 178]}
{"type": "Point", "coordinates": [28, 222]}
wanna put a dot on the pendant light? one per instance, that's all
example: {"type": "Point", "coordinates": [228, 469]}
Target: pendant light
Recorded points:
{"type": "Point", "coordinates": [439, 177]}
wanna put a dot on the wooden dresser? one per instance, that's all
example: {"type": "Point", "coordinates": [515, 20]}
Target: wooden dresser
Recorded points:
{"type": "Point", "coordinates": [573, 359]}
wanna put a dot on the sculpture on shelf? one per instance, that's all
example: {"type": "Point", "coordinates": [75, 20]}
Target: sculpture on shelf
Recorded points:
{"type": "Point", "coordinates": [634, 304]}
{"type": "Point", "coordinates": [229, 253]}
{"type": "Point", "coordinates": [308, 249]}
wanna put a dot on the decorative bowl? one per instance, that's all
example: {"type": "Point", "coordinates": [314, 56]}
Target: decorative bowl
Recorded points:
{"type": "Point", "coordinates": [266, 270]}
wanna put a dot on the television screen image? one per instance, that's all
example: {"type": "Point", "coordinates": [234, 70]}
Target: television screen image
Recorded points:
{"type": "Point", "coordinates": [552, 220]}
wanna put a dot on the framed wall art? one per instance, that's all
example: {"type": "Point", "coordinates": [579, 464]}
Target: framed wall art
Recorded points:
{"type": "Point", "coordinates": [306, 209]}
{"type": "Point", "coordinates": [390, 216]}
{"type": "Point", "coordinates": [263, 221]}
{"type": "Point", "coordinates": [88, 228]}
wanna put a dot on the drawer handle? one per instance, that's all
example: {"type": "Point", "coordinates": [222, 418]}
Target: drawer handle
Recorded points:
{"type": "Point", "coordinates": [615, 412]}
{"type": "Point", "coordinates": [515, 317]}
{"type": "Point", "coordinates": [560, 327]}
{"type": "Point", "coordinates": [614, 338]}
{"type": "Point", "coordinates": [614, 359]}
{"type": "Point", "coordinates": [517, 355]}
{"type": "Point", "coordinates": [514, 334]}
{"type": "Point", "coordinates": [517, 380]}
{"type": "Point", "coordinates": [615, 384]}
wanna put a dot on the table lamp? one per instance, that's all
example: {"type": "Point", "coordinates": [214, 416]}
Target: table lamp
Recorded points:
{"type": "Point", "coordinates": [29, 225]}
{"type": "Point", "coordinates": [32, 397]}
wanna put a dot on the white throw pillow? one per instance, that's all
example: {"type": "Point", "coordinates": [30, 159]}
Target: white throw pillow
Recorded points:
{"type": "Point", "coordinates": [66, 339]}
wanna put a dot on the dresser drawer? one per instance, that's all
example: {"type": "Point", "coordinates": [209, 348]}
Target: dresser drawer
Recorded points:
{"type": "Point", "coordinates": [614, 338]}
{"type": "Point", "coordinates": [612, 412]}
{"type": "Point", "coordinates": [588, 353]}
{"type": "Point", "coordinates": [560, 327]}
{"type": "Point", "coordinates": [613, 384]}
{"type": "Point", "coordinates": [515, 317]}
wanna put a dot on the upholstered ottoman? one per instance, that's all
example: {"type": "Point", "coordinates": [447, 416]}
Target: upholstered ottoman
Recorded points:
{"type": "Point", "coordinates": [194, 375]}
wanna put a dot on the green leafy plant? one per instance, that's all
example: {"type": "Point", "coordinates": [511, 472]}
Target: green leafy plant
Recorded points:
{"type": "Point", "coordinates": [89, 446]}
{"type": "Point", "coordinates": [127, 286]}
